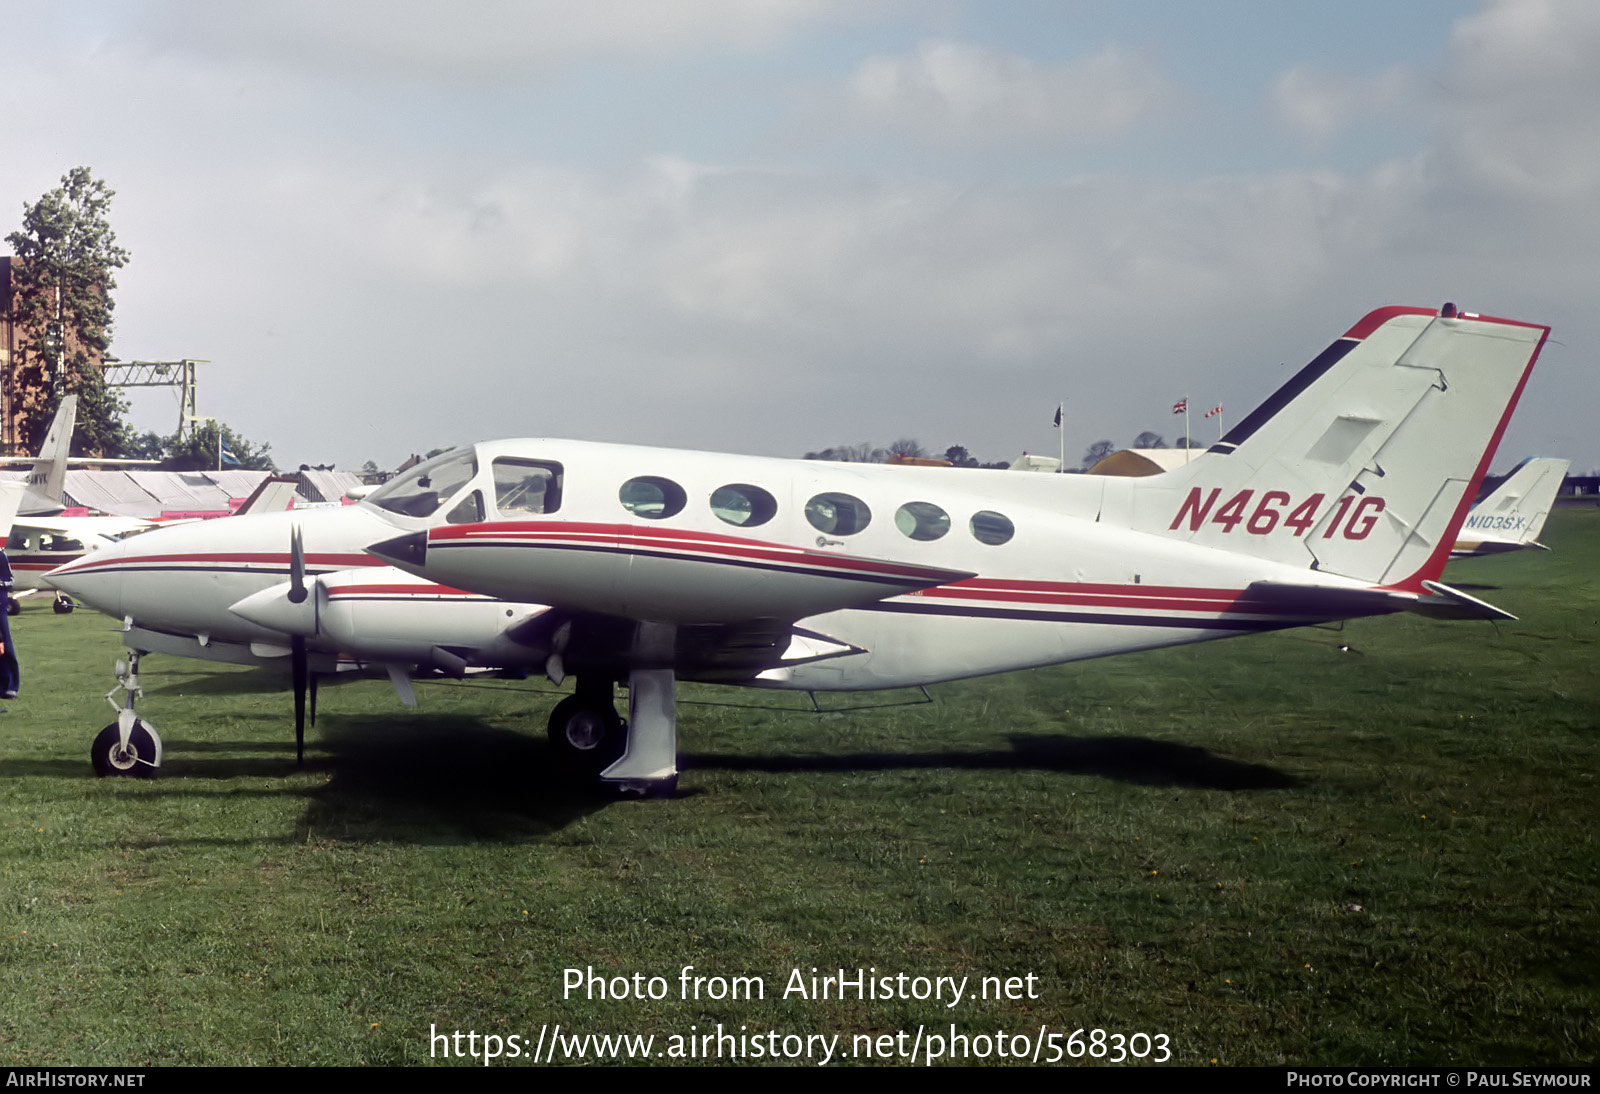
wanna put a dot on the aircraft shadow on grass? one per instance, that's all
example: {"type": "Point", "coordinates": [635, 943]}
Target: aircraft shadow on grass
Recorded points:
{"type": "Point", "coordinates": [456, 779]}
{"type": "Point", "coordinates": [1137, 760]}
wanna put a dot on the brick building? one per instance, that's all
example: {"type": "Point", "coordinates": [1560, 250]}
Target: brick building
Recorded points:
{"type": "Point", "coordinates": [24, 391]}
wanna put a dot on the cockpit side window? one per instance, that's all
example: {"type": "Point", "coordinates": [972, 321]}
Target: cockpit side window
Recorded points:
{"type": "Point", "coordinates": [421, 491]}
{"type": "Point", "coordinates": [526, 486]}
{"type": "Point", "coordinates": [469, 510]}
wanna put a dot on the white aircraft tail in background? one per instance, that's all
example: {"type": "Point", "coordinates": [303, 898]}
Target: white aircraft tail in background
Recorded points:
{"type": "Point", "coordinates": [10, 498]}
{"type": "Point", "coordinates": [1512, 517]}
{"type": "Point", "coordinates": [47, 477]}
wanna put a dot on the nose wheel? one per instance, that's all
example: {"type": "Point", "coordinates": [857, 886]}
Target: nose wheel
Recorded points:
{"type": "Point", "coordinates": [129, 746]}
{"type": "Point", "coordinates": [136, 755]}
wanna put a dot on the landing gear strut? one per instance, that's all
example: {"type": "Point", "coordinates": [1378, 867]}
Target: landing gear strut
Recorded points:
{"type": "Point", "coordinates": [639, 756]}
{"type": "Point", "coordinates": [128, 746]}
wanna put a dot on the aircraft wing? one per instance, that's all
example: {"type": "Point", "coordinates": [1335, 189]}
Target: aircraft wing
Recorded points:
{"type": "Point", "coordinates": [666, 575]}
{"type": "Point", "coordinates": [86, 528]}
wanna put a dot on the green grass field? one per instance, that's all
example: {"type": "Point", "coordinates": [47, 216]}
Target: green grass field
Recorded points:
{"type": "Point", "coordinates": [1365, 845]}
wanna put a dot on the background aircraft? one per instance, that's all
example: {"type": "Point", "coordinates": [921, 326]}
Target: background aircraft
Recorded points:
{"type": "Point", "coordinates": [42, 538]}
{"type": "Point", "coordinates": [1334, 499]}
{"type": "Point", "coordinates": [1512, 517]}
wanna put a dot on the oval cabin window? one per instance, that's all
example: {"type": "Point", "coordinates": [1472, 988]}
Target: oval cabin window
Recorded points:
{"type": "Point", "coordinates": [743, 504]}
{"type": "Point", "coordinates": [838, 514]}
{"type": "Point", "coordinates": [992, 528]}
{"type": "Point", "coordinates": [921, 520]}
{"type": "Point", "coordinates": [652, 498]}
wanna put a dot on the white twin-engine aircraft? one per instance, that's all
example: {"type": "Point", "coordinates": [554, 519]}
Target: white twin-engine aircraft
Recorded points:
{"type": "Point", "coordinates": [1512, 517]}
{"type": "Point", "coordinates": [1339, 497]}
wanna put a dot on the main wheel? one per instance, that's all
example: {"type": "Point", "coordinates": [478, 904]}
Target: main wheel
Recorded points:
{"type": "Point", "coordinates": [63, 605]}
{"type": "Point", "coordinates": [12, 607]}
{"type": "Point", "coordinates": [110, 758]}
{"type": "Point", "coordinates": [587, 735]}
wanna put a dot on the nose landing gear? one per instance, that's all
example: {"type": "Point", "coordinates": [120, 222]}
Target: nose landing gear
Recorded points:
{"type": "Point", "coordinates": [128, 746]}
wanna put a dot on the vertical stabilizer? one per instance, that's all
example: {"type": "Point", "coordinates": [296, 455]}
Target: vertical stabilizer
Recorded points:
{"type": "Point", "coordinates": [275, 494]}
{"type": "Point", "coordinates": [11, 492]}
{"type": "Point", "coordinates": [1365, 462]}
{"type": "Point", "coordinates": [1514, 514]}
{"type": "Point", "coordinates": [47, 479]}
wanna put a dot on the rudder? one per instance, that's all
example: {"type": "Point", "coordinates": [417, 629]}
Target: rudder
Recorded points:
{"type": "Point", "coordinates": [1364, 463]}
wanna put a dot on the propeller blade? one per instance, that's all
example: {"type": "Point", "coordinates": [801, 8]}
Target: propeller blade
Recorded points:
{"type": "Point", "coordinates": [298, 667]}
{"type": "Point", "coordinates": [297, 567]}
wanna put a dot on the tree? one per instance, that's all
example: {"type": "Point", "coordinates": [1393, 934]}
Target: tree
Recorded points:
{"type": "Point", "coordinates": [1148, 439]}
{"type": "Point", "coordinates": [198, 451]}
{"type": "Point", "coordinates": [1097, 452]}
{"type": "Point", "coordinates": [846, 453]}
{"type": "Point", "coordinates": [61, 296]}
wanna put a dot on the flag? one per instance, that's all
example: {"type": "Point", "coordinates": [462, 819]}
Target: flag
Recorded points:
{"type": "Point", "coordinates": [1214, 411]}
{"type": "Point", "coordinates": [1058, 415]}
{"type": "Point", "coordinates": [229, 457]}
{"type": "Point", "coordinates": [1180, 406]}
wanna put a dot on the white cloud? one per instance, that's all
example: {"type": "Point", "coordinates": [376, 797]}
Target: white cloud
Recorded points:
{"type": "Point", "coordinates": [955, 89]}
{"type": "Point", "coordinates": [1521, 81]}
{"type": "Point", "coordinates": [463, 38]}
{"type": "Point", "coordinates": [331, 250]}
{"type": "Point", "coordinates": [1320, 103]}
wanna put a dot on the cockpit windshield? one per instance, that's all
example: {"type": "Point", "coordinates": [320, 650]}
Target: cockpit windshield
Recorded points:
{"type": "Point", "coordinates": [422, 490]}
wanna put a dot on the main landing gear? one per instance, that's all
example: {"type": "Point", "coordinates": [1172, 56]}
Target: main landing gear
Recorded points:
{"type": "Point", "coordinates": [637, 756]}
{"type": "Point", "coordinates": [129, 746]}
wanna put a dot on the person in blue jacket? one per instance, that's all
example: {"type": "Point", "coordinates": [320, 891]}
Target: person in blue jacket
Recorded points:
{"type": "Point", "coordinates": [10, 671]}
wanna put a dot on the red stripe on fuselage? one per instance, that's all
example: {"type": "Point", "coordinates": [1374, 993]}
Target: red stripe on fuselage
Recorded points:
{"type": "Point", "coordinates": [1163, 597]}
{"type": "Point", "coordinates": [402, 590]}
{"type": "Point", "coordinates": [248, 558]}
{"type": "Point", "coordinates": [695, 546]}
{"type": "Point", "coordinates": [30, 566]}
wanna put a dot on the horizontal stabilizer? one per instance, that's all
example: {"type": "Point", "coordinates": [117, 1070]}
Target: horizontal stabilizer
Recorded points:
{"type": "Point", "coordinates": [1327, 601]}
{"type": "Point", "coordinates": [1447, 603]}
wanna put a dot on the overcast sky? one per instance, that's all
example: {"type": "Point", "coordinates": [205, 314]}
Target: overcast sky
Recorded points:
{"type": "Point", "coordinates": [772, 226]}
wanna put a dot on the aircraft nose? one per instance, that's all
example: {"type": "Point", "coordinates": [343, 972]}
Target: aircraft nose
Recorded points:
{"type": "Point", "coordinates": [409, 552]}
{"type": "Point", "coordinates": [93, 580]}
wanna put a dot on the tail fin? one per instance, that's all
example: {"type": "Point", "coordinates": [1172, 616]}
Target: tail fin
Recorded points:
{"type": "Point", "coordinates": [1365, 462]}
{"type": "Point", "coordinates": [10, 497]}
{"type": "Point", "coordinates": [274, 495]}
{"type": "Point", "coordinates": [48, 477]}
{"type": "Point", "coordinates": [1513, 516]}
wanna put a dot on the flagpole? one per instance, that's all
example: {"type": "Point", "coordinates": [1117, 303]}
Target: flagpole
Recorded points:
{"type": "Point", "coordinates": [1061, 428]}
{"type": "Point", "coordinates": [1186, 433]}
